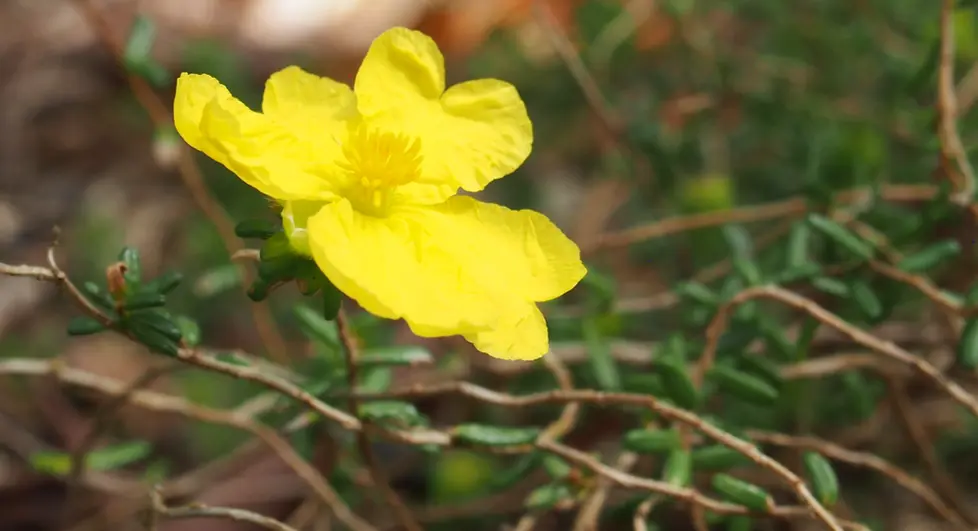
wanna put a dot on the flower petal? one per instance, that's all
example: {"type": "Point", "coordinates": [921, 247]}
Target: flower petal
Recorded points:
{"type": "Point", "coordinates": [521, 334]}
{"type": "Point", "coordinates": [471, 134]}
{"type": "Point", "coordinates": [395, 269]}
{"type": "Point", "coordinates": [260, 151]}
{"type": "Point", "coordinates": [518, 251]}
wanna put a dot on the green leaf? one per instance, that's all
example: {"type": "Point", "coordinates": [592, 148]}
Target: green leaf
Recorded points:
{"type": "Point", "coordinates": [761, 367]}
{"type": "Point", "coordinates": [83, 326]}
{"type": "Point", "coordinates": [153, 339]}
{"type": "Point", "coordinates": [602, 290]}
{"type": "Point", "coordinates": [316, 327]}
{"type": "Point", "coordinates": [968, 345]}
{"type": "Point", "coordinates": [744, 386]}
{"type": "Point", "coordinates": [930, 257]}
{"type": "Point", "coordinates": [798, 273]}
{"type": "Point", "coordinates": [164, 283]}
{"type": "Point", "coordinates": [144, 301]}
{"type": "Point", "coordinates": [277, 246]}
{"type": "Point", "coordinates": [832, 287]}
{"type": "Point", "coordinates": [678, 387]}
{"type": "Point", "coordinates": [395, 355]}
{"type": "Point", "coordinates": [376, 380]}
{"type": "Point", "coordinates": [866, 300]}
{"type": "Point", "coordinates": [798, 242]}
{"type": "Point", "coordinates": [740, 523]}
{"type": "Point", "coordinates": [678, 468]}
{"type": "Point", "coordinates": [189, 330]}
{"type": "Point", "coordinates": [602, 364]}
{"type": "Point", "coordinates": [718, 457]}
{"type": "Point", "coordinates": [259, 290]}
{"type": "Point", "coordinates": [134, 271]}
{"type": "Point", "coordinates": [747, 270]}
{"type": "Point", "coordinates": [821, 475]}
{"type": "Point", "coordinates": [136, 55]}
{"type": "Point", "coordinates": [556, 467]}
{"type": "Point", "coordinates": [158, 320]}
{"type": "Point", "coordinates": [647, 441]}
{"type": "Point", "coordinates": [509, 477]}
{"type": "Point", "coordinates": [547, 496]}
{"type": "Point", "coordinates": [118, 456]}
{"type": "Point", "coordinates": [741, 492]}
{"type": "Point", "coordinates": [332, 300]}
{"type": "Point", "coordinates": [699, 293]}
{"type": "Point", "coordinates": [841, 236]}
{"type": "Point", "coordinates": [98, 296]}
{"type": "Point", "coordinates": [281, 268]}
{"type": "Point", "coordinates": [52, 463]}
{"type": "Point", "coordinates": [218, 280]}
{"type": "Point", "coordinates": [486, 435]}
{"type": "Point", "coordinates": [260, 229]}
{"type": "Point", "coordinates": [391, 410]}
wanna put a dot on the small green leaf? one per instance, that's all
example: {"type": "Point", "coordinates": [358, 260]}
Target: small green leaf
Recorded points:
{"type": "Point", "coordinates": [316, 327]}
{"type": "Point", "coordinates": [718, 457]}
{"type": "Point", "coordinates": [821, 475]}
{"type": "Point", "coordinates": [136, 55]}
{"type": "Point", "coordinates": [798, 242]}
{"type": "Point", "coordinates": [277, 246]}
{"type": "Point", "coordinates": [761, 367]}
{"type": "Point", "coordinates": [118, 456]}
{"type": "Point", "coordinates": [144, 301]}
{"type": "Point", "coordinates": [647, 441]}
{"type": "Point", "coordinates": [556, 467]}
{"type": "Point", "coordinates": [699, 293]}
{"type": "Point", "coordinates": [98, 296]}
{"type": "Point", "coordinates": [602, 364]}
{"type": "Point", "coordinates": [134, 271]}
{"type": "Point", "coordinates": [83, 326]}
{"type": "Point", "coordinates": [164, 283]}
{"type": "Point", "coordinates": [158, 320]}
{"type": "Point", "coordinates": [376, 380]}
{"type": "Point", "coordinates": [866, 300]}
{"type": "Point", "coordinates": [391, 410]}
{"type": "Point", "coordinates": [278, 269]}
{"type": "Point", "coordinates": [679, 388]}
{"type": "Point", "coordinates": [395, 355]}
{"type": "Point", "coordinates": [798, 273]}
{"type": "Point", "coordinates": [51, 463]}
{"type": "Point", "coordinates": [678, 468]}
{"type": "Point", "coordinates": [602, 290]}
{"type": "Point", "coordinates": [841, 236]}
{"type": "Point", "coordinates": [218, 280]}
{"type": "Point", "coordinates": [744, 386]}
{"type": "Point", "coordinates": [831, 286]}
{"type": "Point", "coordinates": [968, 345]}
{"type": "Point", "coordinates": [152, 338]}
{"type": "Point", "coordinates": [189, 330]}
{"type": "Point", "coordinates": [509, 477]}
{"type": "Point", "coordinates": [260, 229]}
{"type": "Point", "coordinates": [332, 300]}
{"type": "Point", "coordinates": [547, 496]}
{"type": "Point", "coordinates": [930, 257]}
{"type": "Point", "coordinates": [740, 523]}
{"type": "Point", "coordinates": [486, 435]}
{"type": "Point", "coordinates": [259, 290]}
{"type": "Point", "coordinates": [747, 270]}
{"type": "Point", "coordinates": [742, 493]}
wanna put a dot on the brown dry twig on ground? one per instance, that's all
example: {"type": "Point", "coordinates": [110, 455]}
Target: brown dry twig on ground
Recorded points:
{"type": "Point", "coordinates": [203, 511]}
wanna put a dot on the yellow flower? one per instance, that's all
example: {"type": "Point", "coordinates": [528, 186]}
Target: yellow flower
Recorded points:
{"type": "Point", "coordinates": [368, 180]}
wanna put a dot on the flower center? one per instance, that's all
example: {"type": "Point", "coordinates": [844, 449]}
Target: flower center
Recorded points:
{"type": "Point", "coordinates": [377, 162]}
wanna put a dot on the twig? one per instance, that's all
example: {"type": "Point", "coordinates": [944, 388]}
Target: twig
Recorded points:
{"type": "Point", "coordinates": [792, 207]}
{"type": "Point", "coordinates": [350, 354]}
{"type": "Point", "coordinates": [963, 176]}
{"type": "Point", "coordinates": [170, 404]}
{"type": "Point", "coordinates": [590, 512]}
{"type": "Point", "coordinates": [925, 447]}
{"type": "Point", "coordinates": [204, 511]}
{"type": "Point", "coordinates": [642, 513]}
{"type": "Point", "coordinates": [189, 172]}
{"type": "Point", "coordinates": [589, 86]}
{"type": "Point", "coordinates": [865, 460]}
{"type": "Point", "coordinates": [887, 348]}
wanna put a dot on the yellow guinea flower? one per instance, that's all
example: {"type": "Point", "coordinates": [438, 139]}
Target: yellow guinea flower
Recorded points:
{"type": "Point", "coordinates": [368, 179]}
